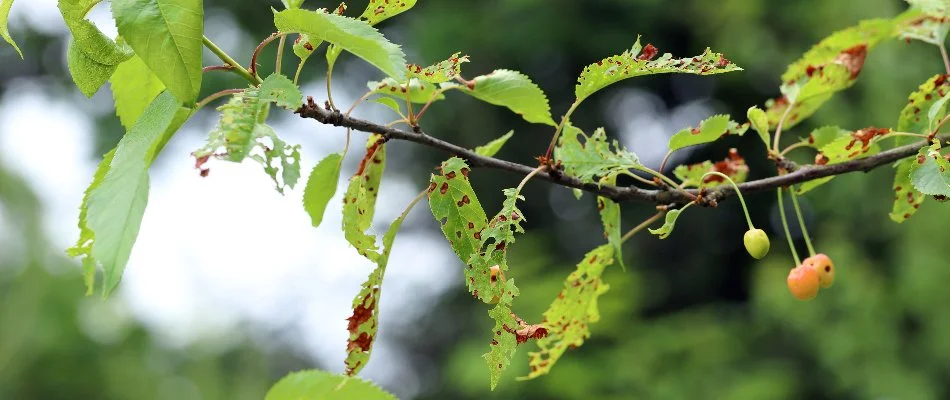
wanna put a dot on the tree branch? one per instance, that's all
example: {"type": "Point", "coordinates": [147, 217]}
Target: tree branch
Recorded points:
{"type": "Point", "coordinates": [663, 196]}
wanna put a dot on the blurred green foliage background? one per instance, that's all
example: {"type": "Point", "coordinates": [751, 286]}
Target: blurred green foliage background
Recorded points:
{"type": "Point", "coordinates": [692, 316]}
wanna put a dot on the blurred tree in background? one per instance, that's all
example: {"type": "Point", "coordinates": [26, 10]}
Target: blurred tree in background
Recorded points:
{"type": "Point", "coordinates": [692, 316]}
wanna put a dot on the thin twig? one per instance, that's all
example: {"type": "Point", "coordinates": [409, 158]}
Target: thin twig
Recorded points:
{"type": "Point", "coordinates": [946, 59]}
{"type": "Point", "coordinates": [664, 196]}
{"type": "Point", "coordinates": [215, 96]}
{"type": "Point", "coordinates": [257, 51]}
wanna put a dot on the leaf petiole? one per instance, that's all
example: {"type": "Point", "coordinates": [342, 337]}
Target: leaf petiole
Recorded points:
{"type": "Point", "coordinates": [238, 68]}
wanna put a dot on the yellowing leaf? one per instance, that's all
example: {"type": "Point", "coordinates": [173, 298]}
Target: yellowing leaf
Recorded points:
{"type": "Point", "coordinates": [907, 199]}
{"type": "Point", "coordinates": [569, 316]}
{"type": "Point", "coordinates": [359, 202]}
{"type": "Point", "coordinates": [4, 32]}
{"type": "Point", "coordinates": [442, 71]}
{"type": "Point", "coordinates": [380, 10]}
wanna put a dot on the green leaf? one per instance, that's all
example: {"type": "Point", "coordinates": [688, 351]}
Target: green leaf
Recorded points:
{"type": "Point", "coordinates": [167, 35]}
{"type": "Point", "coordinates": [709, 130]}
{"type": "Point", "coordinates": [569, 316]}
{"type": "Point", "coordinates": [313, 384]}
{"type": "Point", "coordinates": [83, 247]}
{"type": "Point", "coordinates": [418, 92]}
{"type": "Point", "coordinates": [292, 3]}
{"type": "Point", "coordinates": [733, 166]}
{"type": "Point", "coordinates": [115, 201]}
{"type": "Point", "coordinates": [352, 35]}
{"type": "Point", "coordinates": [823, 136]}
{"type": "Point", "coordinates": [639, 61]}
{"type": "Point", "coordinates": [510, 89]}
{"type": "Point", "coordinates": [906, 198]}
{"type": "Point", "coordinates": [134, 86]}
{"type": "Point", "coordinates": [455, 206]}
{"type": "Point", "coordinates": [380, 10]}
{"type": "Point", "coordinates": [88, 75]}
{"type": "Point", "coordinates": [492, 148]}
{"type": "Point", "coordinates": [664, 231]}
{"type": "Point", "coordinates": [931, 172]}
{"type": "Point", "coordinates": [364, 323]}
{"type": "Point", "coordinates": [280, 90]}
{"type": "Point", "coordinates": [760, 122]}
{"type": "Point", "coordinates": [88, 39]}
{"type": "Point", "coordinates": [359, 202]}
{"type": "Point", "coordinates": [588, 157]}
{"type": "Point", "coordinates": [440, 72]}
{"type": "Point", "coordinates": [321, 187]}
{"type": "Point", "coordinates": [610, 218]}
{"type": "Point", "coordinates": [911, 118]}
{"type": "Point", "coordinates": [4, 32]}
{"type": "Point", "coordinates": [390, 103]}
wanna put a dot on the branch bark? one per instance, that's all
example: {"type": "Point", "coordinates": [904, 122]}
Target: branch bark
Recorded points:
{"type": "Point", "coordinates": [663, 196]}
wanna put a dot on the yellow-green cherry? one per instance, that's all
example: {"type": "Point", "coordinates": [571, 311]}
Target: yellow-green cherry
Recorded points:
{"type": "Point", "coordinates": [756, 243]}
{"type": "Point", "coordinates": [755, 240]}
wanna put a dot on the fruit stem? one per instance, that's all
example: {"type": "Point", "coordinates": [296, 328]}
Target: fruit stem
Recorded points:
{"type": "Point", "coordinates": [745, 209]}
{"type": "Point", "coordinates": [801, 222]}
{"type": "Point", "coordinates": [528, 178]}
{"type": "Point", "coordinates": [788, 234]}
{"type": "Point", "coordinates": [643, 225]}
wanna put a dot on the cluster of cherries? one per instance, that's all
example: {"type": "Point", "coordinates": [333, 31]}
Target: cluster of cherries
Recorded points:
{"type": "Point", "coordinates": [804, 281]}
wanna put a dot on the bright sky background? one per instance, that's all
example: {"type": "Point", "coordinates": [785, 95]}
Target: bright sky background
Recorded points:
{"type": "Point", "coordinates": [227, 251]}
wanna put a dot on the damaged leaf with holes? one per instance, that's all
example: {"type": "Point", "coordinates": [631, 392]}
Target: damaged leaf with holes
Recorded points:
{"type": "Point", "coordinates": [241, 134]}
{"type": "Point", "coordinates": [709, 130]}
{"type": "Point", "coordinates": [364, 323]}
{"type": "Point", "coordinates": [640, 61]}
{"type": "Point", "coordinates": [359, 201]}
{"type": "Point", "coordinates": [733, 166]}
{"type": "Point", "coordinates": [510, 89]}
{"type": "Point", "coordinates": [281, 91]}
{"type": "Point", "coordinates": [490, 263]}
{"type": "Point", "coordinates": [587, 158]}
{"type": "Point", "coordinates": [569, 316]}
